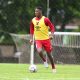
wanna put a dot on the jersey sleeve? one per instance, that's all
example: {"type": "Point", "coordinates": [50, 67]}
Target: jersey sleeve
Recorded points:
{"type": "Point", "coordinates": [48, 23]}
{"type": "Point", "coordinates": [31, 28]}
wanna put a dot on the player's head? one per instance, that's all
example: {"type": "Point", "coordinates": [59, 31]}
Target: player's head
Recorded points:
{"type": "Point", "coordinates": [38, 11]}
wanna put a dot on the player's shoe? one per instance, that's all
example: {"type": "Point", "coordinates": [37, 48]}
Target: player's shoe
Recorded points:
{"type": "Point", "coordinates": [46, 64]}
{"type": "Point", "coordinates": [54, 70]}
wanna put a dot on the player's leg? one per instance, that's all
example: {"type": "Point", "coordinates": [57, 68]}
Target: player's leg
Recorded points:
{"type": "Point", "coordinates": [51, 60]}
{"type": "Point", "coordinates": [39, 49]}
{"type": "Point", "coordinates": [48, 48]}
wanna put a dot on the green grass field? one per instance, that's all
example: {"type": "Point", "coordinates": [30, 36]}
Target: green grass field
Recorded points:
{"type": "Point", "coordinates": [21, 72]}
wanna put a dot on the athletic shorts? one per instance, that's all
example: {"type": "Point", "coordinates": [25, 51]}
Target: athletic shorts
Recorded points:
{"type": "Point", "coordinates": [46, 44]}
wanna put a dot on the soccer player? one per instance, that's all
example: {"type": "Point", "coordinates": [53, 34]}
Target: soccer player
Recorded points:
{"type": "Point", "coordinates": [40, 26]}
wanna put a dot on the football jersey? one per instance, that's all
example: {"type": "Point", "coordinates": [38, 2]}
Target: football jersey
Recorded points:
{"type": "Point", "coordinates": [40, 29]}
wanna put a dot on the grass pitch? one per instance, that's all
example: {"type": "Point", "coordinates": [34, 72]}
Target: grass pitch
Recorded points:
{"type": "Point", "coordinates": [21, 72]}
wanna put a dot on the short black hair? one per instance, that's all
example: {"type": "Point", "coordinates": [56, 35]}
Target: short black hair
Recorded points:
{"type": "Point", "coordinates": [39, 7]}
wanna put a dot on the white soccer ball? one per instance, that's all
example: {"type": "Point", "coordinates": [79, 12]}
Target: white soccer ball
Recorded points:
{"type": "Point", "coordinates": [33, 68]}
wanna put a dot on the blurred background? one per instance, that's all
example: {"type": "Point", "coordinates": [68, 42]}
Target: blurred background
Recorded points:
{"type": "Point", "coordinates": [15, 17]}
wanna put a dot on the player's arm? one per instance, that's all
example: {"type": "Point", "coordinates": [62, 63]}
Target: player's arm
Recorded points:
{"type": "Point", "coordinates": [51, 26]}
{"type": "Point", "coordinates": [31, 32]}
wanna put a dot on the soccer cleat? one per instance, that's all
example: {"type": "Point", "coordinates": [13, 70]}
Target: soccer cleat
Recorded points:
{"type": "Point", "coordinates": [54, 70]}
{"type": "Point", "coordinates": [46, 64]}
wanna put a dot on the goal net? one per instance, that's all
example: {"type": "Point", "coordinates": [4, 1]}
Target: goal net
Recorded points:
{"type": "Point", "coordinates": [66, 47]}
{"type": "Point", "coordinates": [22, 47]}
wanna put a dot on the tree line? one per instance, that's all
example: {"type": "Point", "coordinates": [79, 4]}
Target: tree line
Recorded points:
{"type": "Point", "coordinates": [15, 15]}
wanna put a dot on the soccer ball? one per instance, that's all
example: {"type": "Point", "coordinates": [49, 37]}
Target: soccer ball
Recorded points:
{"type": "Point", "coordinates": [33, 68]}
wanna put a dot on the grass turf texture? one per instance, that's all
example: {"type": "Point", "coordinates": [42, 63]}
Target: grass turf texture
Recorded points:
{"type": "Point", "coordinates": [21, 72]}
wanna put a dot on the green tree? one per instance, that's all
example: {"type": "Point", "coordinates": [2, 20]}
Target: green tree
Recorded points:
{"type": "Point", "coordinates": [64, 11]}
{"type": "Point", "coordinates": [15, 15]}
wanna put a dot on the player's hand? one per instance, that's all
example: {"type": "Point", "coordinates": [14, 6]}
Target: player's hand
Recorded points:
{"type": "Point", "coordinates": [31, 41]}
{"type": "Point", "coordinates": [51, 35]}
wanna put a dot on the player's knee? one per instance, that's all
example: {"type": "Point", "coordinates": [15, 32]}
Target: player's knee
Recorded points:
{"type": "Point", "coordinates": [39, 50]}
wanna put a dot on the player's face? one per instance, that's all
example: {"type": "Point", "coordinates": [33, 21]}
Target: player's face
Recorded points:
{"type": "Point", "coordinates": [37, 12]}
